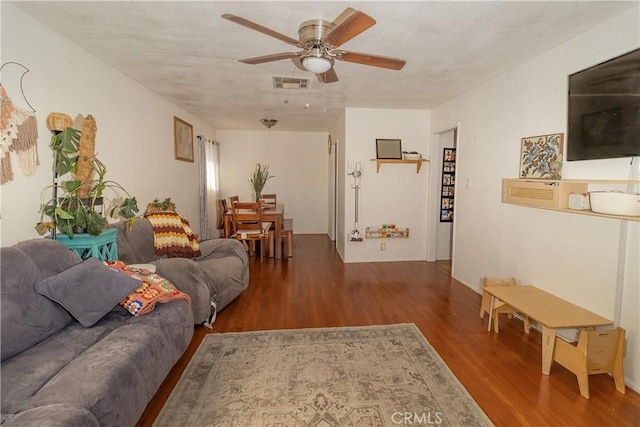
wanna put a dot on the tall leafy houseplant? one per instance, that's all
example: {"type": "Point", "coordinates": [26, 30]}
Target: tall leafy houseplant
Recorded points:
{"type": "Point", "coordinates": [73, 204]}
{"type": "Point", "coordinates": [259, 178]}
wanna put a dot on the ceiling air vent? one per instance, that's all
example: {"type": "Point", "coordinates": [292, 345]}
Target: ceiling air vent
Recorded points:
{"type": "Point", "coordinates": [290, 83]}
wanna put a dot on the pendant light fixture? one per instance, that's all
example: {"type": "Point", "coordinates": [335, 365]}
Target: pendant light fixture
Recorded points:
{"type": "Point", "coordinates": [269, 122]}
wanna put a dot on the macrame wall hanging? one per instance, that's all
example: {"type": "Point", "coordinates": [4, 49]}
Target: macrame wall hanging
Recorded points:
{"type": "Point", "coordinates": [18, 133]}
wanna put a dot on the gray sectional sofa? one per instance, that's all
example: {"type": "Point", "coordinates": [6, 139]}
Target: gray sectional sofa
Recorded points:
{"type": "Point", "coordinates": [212, 280]}
{"type": "Point", "coordinates": [98, 366]}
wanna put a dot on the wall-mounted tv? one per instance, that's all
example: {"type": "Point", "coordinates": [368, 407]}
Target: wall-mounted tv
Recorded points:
{"type": "Point", "coordinates": [604, 110]}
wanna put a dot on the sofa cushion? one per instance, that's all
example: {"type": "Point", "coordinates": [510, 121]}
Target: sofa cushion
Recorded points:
{"type": "Point", "coordinates": [50, 256]}
{"type": "Point", "coordinates": [26, 317]}
{"type": "Point", "coordinates": [88, 290]}
{"type": "Point", "coordinates": [54, 415]}
{"type": "Point", "coordinates": [135, 243]}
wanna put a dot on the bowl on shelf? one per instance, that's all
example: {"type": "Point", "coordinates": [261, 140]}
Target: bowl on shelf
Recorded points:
{"type": "Point", "coordinates": [615, 203]}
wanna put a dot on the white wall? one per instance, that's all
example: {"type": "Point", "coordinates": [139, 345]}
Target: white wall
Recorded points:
{"type": "Point", "coordinates": [298, 162]}
{"type": "Point", "coordinates": [572, 256]}
{"type": "Point", "coordinates": [395, 195]}
{"type": "Point", "coordinates": [135, 126]}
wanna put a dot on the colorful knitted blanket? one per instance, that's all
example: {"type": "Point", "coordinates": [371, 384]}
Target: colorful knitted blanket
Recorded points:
{"type": "Point", "coordinates": [153, 289]}
{"type": "Point", "coordinates": [173, 236]}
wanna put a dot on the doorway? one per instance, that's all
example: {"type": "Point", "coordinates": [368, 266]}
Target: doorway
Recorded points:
{"type": "Point", "coordinates": [333, 189]}
{"type": "Point", "coordinates": [446, 184]}
{"type": "Point", "coordinates": [441, 215]}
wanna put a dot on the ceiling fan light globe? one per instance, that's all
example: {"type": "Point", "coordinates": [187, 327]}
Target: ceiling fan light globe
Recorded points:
{"type": "Point", "coordinates": [317, 65]}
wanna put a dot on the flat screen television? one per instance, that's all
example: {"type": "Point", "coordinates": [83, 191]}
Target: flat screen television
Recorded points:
{"type": "Point", "coordinates": [604, 110]}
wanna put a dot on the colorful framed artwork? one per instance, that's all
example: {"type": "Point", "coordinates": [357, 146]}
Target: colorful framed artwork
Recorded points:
{"type": "Point", "coordinates": [447, 192]}
{"type": "Point", "coordinates": [541, 156]}
{"type": "Point", "coordinates": [183, 140]}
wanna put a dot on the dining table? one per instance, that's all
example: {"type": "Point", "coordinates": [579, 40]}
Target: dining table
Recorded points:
{"type": "Point", "coordinates": [271, 213]}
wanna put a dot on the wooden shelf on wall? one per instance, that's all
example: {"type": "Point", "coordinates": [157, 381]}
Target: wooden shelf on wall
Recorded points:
{"type": "Point", "coordinates": [386, 233]}
{"type": "Point", "coordinates": [418, 163]}
{"type": "Point", "coordinates": [554, 194]}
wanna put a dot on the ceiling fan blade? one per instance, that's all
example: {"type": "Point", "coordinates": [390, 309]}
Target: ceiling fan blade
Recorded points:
{"type": "Point", "coordinates": [328, 77]}
{"type": "Point", "coordinates": [264, 30]}
{"type": "Point", "coordinates": [349, 24]}
{"type": "Point", "coordinates": [373, 60]}
{"type": "Point", "coordinates": [298, 63]}
{"type": "Point", "coordinates": [269, 58]}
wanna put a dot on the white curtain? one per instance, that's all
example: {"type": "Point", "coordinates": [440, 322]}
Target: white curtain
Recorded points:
{"type": "Point", "coordinates": [209, 187]}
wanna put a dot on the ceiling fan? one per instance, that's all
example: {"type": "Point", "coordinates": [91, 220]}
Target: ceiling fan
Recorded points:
{"type": "Point", "coordinates": [320, 41]}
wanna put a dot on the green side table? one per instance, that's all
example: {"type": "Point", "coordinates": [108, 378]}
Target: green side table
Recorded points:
{"type": "Point", "coordinates": [104, 247]}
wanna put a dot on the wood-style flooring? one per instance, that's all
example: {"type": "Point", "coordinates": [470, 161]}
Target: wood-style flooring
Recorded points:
{"type": "Point", "coordinates": [501, 371]}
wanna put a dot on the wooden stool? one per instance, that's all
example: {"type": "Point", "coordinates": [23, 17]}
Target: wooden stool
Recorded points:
{"type": "Point", "coordinates": [286, 235]}
{"type": "Point", "coordinates": [499, 306]}
{"type": "Point", "coordinates": [597, 352]}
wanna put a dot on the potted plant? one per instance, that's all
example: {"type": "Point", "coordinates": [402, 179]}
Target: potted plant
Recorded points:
{"type": "Point", "coordinates": [160, 206]}
{"type": "Point", "coordinates": [259, 178]}
{"type": "Point", "coordinates": [76, 205]}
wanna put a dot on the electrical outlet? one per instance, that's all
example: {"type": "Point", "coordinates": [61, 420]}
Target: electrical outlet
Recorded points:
{"type": "Point", "coordinates": [383, 246]}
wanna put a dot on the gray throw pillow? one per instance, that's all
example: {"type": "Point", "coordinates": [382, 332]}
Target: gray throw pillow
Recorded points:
{"type": "Point", "coordinates": [88, 290]}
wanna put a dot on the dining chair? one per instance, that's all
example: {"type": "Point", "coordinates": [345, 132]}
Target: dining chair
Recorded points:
{"type": "Point", "coordinates": [286, 238]}
{"type": "Point", "coordinates": [233, 199]}
{"type": "Point", "coordinates": [500, 307]}
{"type": "Point", "coordinates": [249, 226]}
{"type": "Point", "coordinates": [222, 208]}
{"type": "Point", "coordinates": [596, 352]}
{"type": "Point", "coordinates": [269, 200]}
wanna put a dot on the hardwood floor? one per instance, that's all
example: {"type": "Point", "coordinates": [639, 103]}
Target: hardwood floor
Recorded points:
{"type": "Point", "coordinates": [501, 371]}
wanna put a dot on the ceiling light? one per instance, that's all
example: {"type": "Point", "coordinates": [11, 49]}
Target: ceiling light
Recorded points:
{"type": "Point", "coordinates": [316, 63]}
{"type": "Point", "coordinates": [269, 123]}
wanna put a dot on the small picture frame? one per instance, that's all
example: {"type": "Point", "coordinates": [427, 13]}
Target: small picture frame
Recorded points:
{"type": "Point", "coordinates": [388, 149]}
{"type": "Point", "coordinates": [183, 140]}
{"type": "Point", "coordinates": [541, 156]}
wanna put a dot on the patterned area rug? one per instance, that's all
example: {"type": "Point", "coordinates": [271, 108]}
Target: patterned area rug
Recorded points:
{"type": "Point", "coordinates": [355, 376]}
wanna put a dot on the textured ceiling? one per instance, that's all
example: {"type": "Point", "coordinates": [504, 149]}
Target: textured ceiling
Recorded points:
{"type": "Point", "coordinates": [186, 52]}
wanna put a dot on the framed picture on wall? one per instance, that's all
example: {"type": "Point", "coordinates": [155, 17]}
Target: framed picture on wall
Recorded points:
{"type": "Point", "coordinates": [541, 156]}
{"type": "Point", "coordinates": [183, 139]}
{"type": "Point", "coordinates": [448, 183]}
{"type": "Point", "coordinates": [388, 149]}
